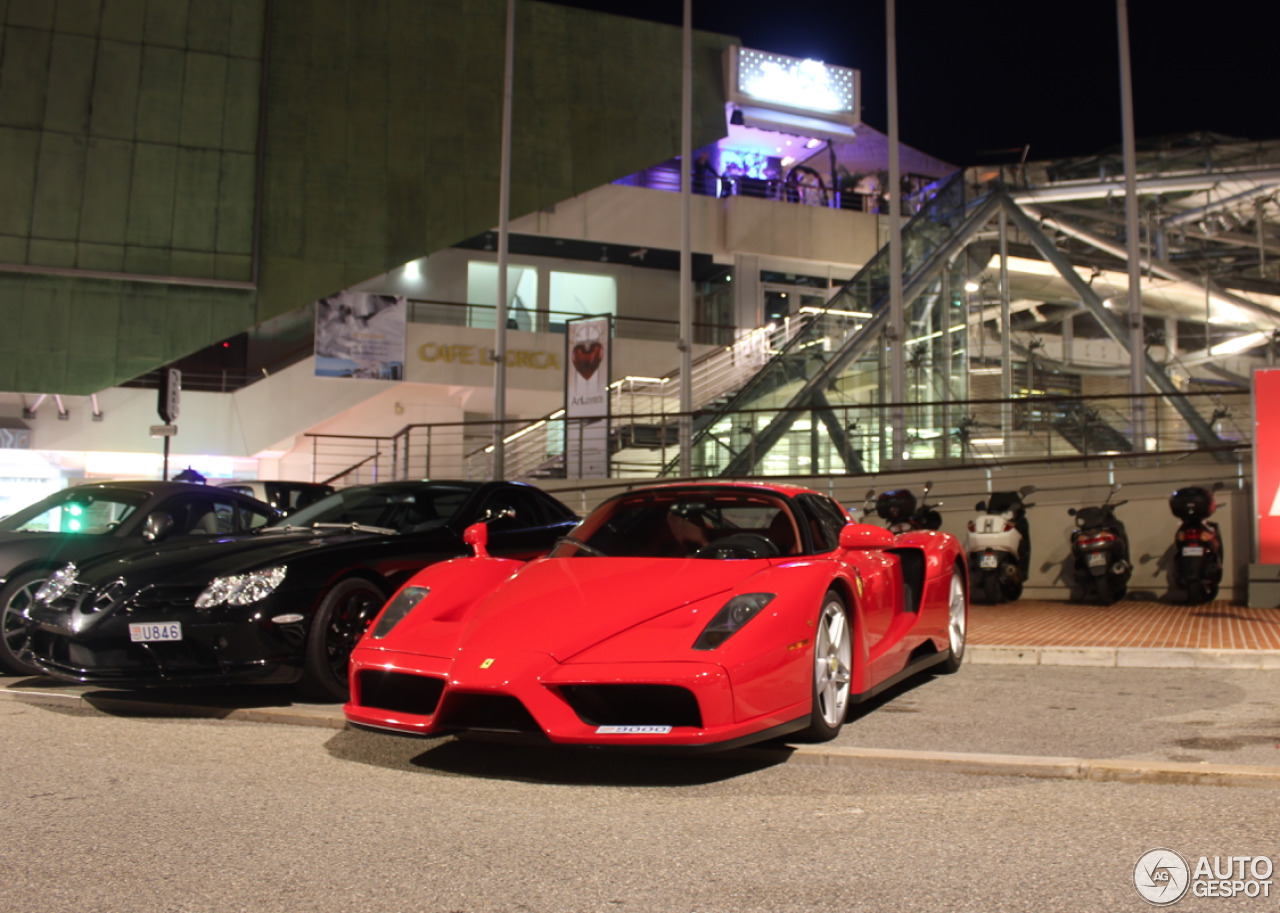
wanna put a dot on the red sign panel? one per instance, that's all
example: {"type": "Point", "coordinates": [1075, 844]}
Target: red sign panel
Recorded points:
{"type": "Point", "coordinates": [1266, 462]}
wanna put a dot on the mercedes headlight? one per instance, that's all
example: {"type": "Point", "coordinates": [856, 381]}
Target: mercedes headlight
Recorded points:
{"type": "Point", "coordinates": [729, 620]}
{"type": "Point", "coordinates": [241, 589]}
{"type": "Point", "coordinates": [58, 584]}
{"type": "Point", "coordinates": [404, 603]}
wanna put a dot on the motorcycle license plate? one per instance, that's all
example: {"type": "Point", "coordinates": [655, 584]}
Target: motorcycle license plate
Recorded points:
{"type": "Point", "coordinates": [988, 561]}
{"type": "Point", "coordinates": [1193, 551]}
{"type": "Point", "coordinates": [1096, 559]}
{"type": "Point", "coordinates": [150, 633]}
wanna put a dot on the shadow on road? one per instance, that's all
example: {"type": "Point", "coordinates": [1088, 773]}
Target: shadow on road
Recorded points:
{"type": "Point", "coordinates": [496, 759]}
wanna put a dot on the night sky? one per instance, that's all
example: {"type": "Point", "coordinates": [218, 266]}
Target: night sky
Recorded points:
{"type": "Point", "coordinates": [978, 81]}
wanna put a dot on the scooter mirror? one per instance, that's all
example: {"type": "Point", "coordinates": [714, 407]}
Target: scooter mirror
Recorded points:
{"type": "Point", "coordinates": [980, 506]}
{"type": "Point", "coordinates": [1071, 511]}
{"type": "Point", "coordinates": [1026, 490]}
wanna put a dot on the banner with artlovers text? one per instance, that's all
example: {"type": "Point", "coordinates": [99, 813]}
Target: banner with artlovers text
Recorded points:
{"type": "Point", "coordinates": [586, 389]}
{"type": "Point", "coordinates": [1266, 462]}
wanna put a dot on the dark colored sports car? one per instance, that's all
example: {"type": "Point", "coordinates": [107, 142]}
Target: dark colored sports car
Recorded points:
{"type": "Point", "coordinates": [286, 604]}
{"type": "Point", "coordinates": [711, 614]}
{"type": "Point", "coordinates": [88, 521]}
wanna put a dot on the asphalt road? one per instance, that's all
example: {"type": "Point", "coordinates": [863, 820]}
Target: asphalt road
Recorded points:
{"type": "Point", "coordinates": [139, 813]}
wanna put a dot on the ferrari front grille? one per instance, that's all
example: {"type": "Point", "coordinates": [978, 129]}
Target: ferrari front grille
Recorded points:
{"type": "Point", "coordinates": [487, 712]}
{"type": "Point", "coordinates": [633, 705]}
{"type": "Point", "coordinates": [398, 691]}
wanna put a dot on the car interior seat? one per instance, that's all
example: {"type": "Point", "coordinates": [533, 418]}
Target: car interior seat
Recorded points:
{"type": "Point", "coordinates": [783, 533]}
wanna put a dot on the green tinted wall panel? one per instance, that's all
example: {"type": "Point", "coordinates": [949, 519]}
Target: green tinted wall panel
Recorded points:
{"type": "Point", "coordinates": [160, 88]}
{"type": "Point", "coordinates": [19, 152]}
{"type": "Point", "coordinates": [108, 173]}
{"type": "Point", "coordinates": [204, 94]}
{"type": "Point", "coordinates": [195, 223]}
{"type": "Point", "coordinates": [166, 23]}
{"type": "Point", "coordinates": [141, 154]}
{"type": "Point", "coordinates": [70, 84]}
{"type": "Point", "coordinates": [209, 26]}
{"type": "Point", "coordinates": [36, 14]}
{"type": "Point", "coordinates": [23, 77]}
{"type": "Point", "coordinates": [240, 110]}
{"type": "Point", "coordinates": [151, 196]}
{"type": "Point", "coordinates": [124, 20]}
{"type": "Point", "coordinates": [245, 30]}
{"type": "Point", "coordinates": [59, 187]}
{"type": "Point", "coordinates": [235, 206]}
{"type": "Point", "coordinates": [78, 17]}
{"type": "Point", "coordinates": [115, 89]}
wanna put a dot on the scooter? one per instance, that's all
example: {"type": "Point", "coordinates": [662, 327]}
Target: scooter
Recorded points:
{"type": "Point", "coordinates": [1101, 549]}
{"type": "Point", "coordinates": [999, 546]}
{"type": "Point", "coordinates": [1197, 547]}
{"type": "Point", "coordinates": [901, 512]}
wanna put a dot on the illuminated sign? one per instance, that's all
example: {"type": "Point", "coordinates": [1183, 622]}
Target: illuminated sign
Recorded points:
{"type": "Point", "coordinates": [791, 83]}
{"type": "Point", "coordinates": [475, 355]}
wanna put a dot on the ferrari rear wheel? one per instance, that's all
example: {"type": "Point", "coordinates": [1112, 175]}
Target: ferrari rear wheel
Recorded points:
{"type": "Point", "coordinates": [14, 600]}
{"type": "Point", "coordinates": [832, 670]}
{"type": "Point", "coordinates": [957, 622]}
{"type": "Point", "coordinates": [344, 614]}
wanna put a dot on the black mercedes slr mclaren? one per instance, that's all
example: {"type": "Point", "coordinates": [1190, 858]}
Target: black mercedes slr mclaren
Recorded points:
{"type": "Point", "coordinates": [285, 604]}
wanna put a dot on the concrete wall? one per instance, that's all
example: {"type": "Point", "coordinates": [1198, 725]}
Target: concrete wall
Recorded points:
{"type": "Point", "coordinates": [136, 170]}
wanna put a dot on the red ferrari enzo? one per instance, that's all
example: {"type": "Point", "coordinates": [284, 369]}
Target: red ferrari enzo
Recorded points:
{"type": "Point", "coordinates": [698, 614]}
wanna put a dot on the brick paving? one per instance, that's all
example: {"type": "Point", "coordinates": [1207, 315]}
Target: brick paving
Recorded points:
{"type": "Point", "coordinates": [1218, 625]}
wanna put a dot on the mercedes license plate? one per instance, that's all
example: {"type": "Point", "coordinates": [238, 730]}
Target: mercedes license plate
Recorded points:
{"type": "Point", "coordinates": [988, 560]}
{"type": "Point", "coordinates": [1097, 559]}
{"type": "Point", "coordinates": [152, 631]}
{"type": "Point", "coordinates": [1193, 551]}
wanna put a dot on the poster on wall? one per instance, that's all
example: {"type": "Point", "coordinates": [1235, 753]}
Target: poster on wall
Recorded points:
{"type": "Point", "coordinates": [361, 335]}
{"type": "Point", "coordinates": [1266, 463]}
{"type": "Point", "coordinates": [586, 394]}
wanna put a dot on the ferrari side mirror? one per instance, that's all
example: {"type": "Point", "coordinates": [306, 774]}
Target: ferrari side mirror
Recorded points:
{"type": "Point", "coordinates": [864, 535]}
{"type": "Point", "coordinates": [477, 536]}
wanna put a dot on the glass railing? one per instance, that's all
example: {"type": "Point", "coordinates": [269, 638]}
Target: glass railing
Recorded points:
{"type": "Point", "coordinates": [820, 371]}
{"type": "Point", "coordinates": [947, 433]}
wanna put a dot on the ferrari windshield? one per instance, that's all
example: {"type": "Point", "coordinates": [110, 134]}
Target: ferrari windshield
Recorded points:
{"type": "Point", "coordinates": [699, 523]}
{"type": "Point", "coordinates": [90, 513]}
{"type": "Point", "coordinates": [401, 508]}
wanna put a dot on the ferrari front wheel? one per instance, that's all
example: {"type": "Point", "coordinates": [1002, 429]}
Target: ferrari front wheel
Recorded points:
{"type": "Point", "coordinates": [832, 670]}
{"type": "Point", "coordinates": [957, 622]}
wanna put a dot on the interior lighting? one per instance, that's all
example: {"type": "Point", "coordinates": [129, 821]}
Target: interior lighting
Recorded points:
{"type": "Point", "coordinates": [810, 309]}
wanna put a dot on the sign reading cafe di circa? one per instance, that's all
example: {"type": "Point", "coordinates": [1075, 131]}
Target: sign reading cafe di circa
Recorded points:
{"type": "Point", "coordinates": [476, 355]}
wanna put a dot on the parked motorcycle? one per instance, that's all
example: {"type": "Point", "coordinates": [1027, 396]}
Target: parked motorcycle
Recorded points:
{"type": "Point", "coordinates": [1101, 549]}
{"type": "Point", "coordinates": [999, 546]}
{"type": "Point", "coordinates": [1197, 547]}
{"type": "Point", "coordinates": [902, 513]}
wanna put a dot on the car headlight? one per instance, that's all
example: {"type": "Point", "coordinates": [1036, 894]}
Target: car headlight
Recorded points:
{"type": "Point", "coordinates": [241, 589]}
{"type": "Point", "coordinates": [58, 584]}
{"type": "Point", "coordinates": [404, 603]}
{"type": "Point", "coordinates": [729, 620]}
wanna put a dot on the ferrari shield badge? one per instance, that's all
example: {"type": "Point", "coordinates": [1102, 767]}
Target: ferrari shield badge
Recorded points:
{"type": "Point", "coordinates": [487, 663]}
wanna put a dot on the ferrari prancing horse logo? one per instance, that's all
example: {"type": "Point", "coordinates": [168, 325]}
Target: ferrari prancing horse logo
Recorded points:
{"type": "Point", "coordinates": [486, 664]}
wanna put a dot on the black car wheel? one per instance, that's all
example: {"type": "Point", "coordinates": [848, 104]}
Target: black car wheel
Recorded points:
{"type": "Point", "coordinates": [14, 600]}
{"type": "Point", "coordinates": [344, 614]}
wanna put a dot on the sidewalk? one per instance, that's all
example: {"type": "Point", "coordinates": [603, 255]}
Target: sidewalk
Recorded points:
{"type": "Point", "coordinates": [1129, 633]}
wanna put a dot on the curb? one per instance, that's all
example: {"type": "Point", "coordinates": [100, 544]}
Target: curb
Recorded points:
{"type": "Point", "coordinates": [1098, 770]}
{"type": "Point", "coordinates": [1123, 657]}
